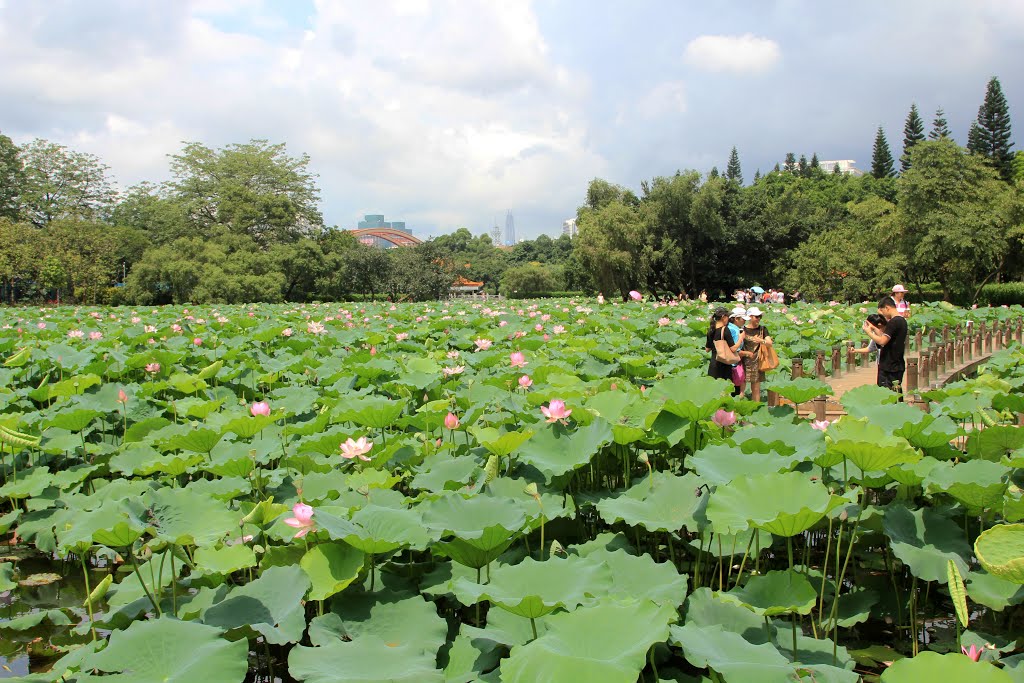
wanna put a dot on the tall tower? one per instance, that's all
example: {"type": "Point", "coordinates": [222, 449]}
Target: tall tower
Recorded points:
{"type": "Point", "coordinates": [510, 229]}
{"type": "Point", "coordinates": [496, 235]}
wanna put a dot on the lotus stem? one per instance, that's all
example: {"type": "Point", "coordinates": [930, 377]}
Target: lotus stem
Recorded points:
{"type": "Point", "coordinates": [833, 618]}
{"type": "Point", "coordinates": [824, 571]}
{"type": "Point", "coordinates": [743, 562]}
{"type": "Point", "coordinates": [88, 596]}
{"type": "Point", "coordinates": [533, 626]}
{"type": "Point", "coordinates": [138, 574]}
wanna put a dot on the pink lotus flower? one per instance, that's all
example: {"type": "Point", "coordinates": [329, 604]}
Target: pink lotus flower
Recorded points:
{"type": "Point", "coordinates": [483, 344]}
{"type": "Point", "coordinates": [153, 368]}
{"type": "Point", "coordinates": [41, 326]}
{"type": "Point", "coordinates": [149, 329]}
{"type": "Point", "coordinates": [517, 359]}
{"type": "Point", "coordinates": [454, 370]}
{"type": "Point", "coordinates": [286, 332]}
{"type": "Point", "coordinates": [260, 408]}
{"type": "Point", "coordinates": [198, 341]}
{"type": "Point", "coordinates": [451, 421]}
{"type": "Point", "coordinates": [401, 336]}
{"type": "Point", "coordinates": [663, 322]}
{"type": "Point", "coordinates": [373, 350]}
{"type": "Point", "coordinates": [555, 411]}
{"type": "Point", "coordinates": [558, 329]}
{"type": "Point", "coordinates": [303, 519]}
{"type": "Point", "coordinates": [538, 327]}
{"type": "Point", "coordinates": [95, 336]}
{"type": "Point", "coordinates": [136, 320]}
{"type": "Point", "coordinates": [75, 334]}
{"type": "Point", "coordinates": [724, 418]}
{"type": "Point", "coordinates": [600, 298]}
{"type": "Point", "coordinates": [635, 295]}
{"type": "Point", "coordinates": [525, 382]}
{"type": "Point", "coordinates": [820, 425]}
{"type": "Point", "coordinates": [176, 327]}
{"type": "Point", "coordinates": [315, 328]}
{"type": "Point", "coordinates": [121, 396]}
{"type": "Point", "coordinates": [974, 653]}
{"type": "Point", "coordinates": [453, 354]}
{"type": "Point", "coordinates": [358, 448]}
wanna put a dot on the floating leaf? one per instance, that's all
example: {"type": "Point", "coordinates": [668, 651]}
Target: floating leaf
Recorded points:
{"type": "Point", "coordinates": [931, 666]}
{"type": "Point", "coordinates": [331, 567]}
{"type": "Point", "coordinates": [1000, 550]}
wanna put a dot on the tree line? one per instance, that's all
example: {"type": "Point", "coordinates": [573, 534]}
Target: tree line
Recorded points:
{"type": "Point", "coordinates": [242, 223]}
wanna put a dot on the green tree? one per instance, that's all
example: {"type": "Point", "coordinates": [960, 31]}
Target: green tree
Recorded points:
{"type": "Point", "coordinates": [953, 218]}
{"type": "Point", "coordinates": [60, 183]}
{"type": "Point", "coordinates": [19, 256]}
{"type": "Point", "coordinates": [302, 264]}
{"type": "Point", "coordinates": [418, 273]}
{"type": "Point", "coordinates": [611, 244]}
{"type": "Point", "coordinates": [600, 192]}
{"type": "Point", "coordinates": [994, 129]}
{"type": "Point", "coordinates": [790, 164]}
{"type": "Point", "coordinates": [975, 139]}
{"type": "Point", "coordinates": [881, 157]}
{"type": "Point", "coordinates": [733, 171]}
{"type": "Point", "coordinates": [802, 167]}
{"type": "Point", "coordinates": [12, 177]}
{"type": "Point", "coordinates": [940, 128]}
{"type": "Point", "coordinates": [913, 133]}
{"type": "Point", "coordinates": [815, 165]}
{"type": "Point", "coordinates": [144, 208]}
{"type": "Point", "coordinates": [87, 253]}
{"type": "Point", "coordinates": [254, 189]}
{"type": "Point", "coordinates": [532, 279]}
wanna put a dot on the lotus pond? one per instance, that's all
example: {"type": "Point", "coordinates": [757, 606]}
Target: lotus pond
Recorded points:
{"type": "Point", "coordinates": [520, 491]}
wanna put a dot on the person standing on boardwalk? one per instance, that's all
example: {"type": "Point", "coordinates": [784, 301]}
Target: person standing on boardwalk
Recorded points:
{"type": "Point", "coordinates": [899, 295]}
{"type": "Point", "coordinates": [755, 335]}
{"type": "Point", "coordinates": [893, 341]}
{"type": "Point", "coordinates": [720, 343]}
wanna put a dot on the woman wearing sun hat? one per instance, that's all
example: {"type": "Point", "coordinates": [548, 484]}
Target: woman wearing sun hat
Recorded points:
{"type": "Point", "coordinates": [755, 335]}
{"type": "Point", "coordinates": [899, 295]}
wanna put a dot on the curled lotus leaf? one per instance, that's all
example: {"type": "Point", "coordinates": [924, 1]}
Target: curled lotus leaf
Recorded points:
{"type": "Point", "coordinates": [500, 443]}
{"type": "Point", "coordinates": [721, 463]}
{"type": "Point", "coordinates": [660, 501]}
{"type": "Point", "coordinates": [271, 606]}
{"type": "Point", "coordinates": [694, 397]}
{"type": "Point", "coordinates": [777, 592]}
{"type": "Point", "coordinates": [370, 659]}
{"type": "Point", "coordinates": [397, 618]}
{"type": "Point", "coordinates": [993, 443]}
{"type": "Point", "coordinates": [475, 530]}
{"type": "Point", "coordinates": [379, 529]}
{"type": "Point", "coordinates": [783, 504]}
{"type": "Point", "coordinates": [977, 484]}
{"type": "Point", "coordinates": [953, 666]}
{"type": "Point", "coordinates": [555, 452]}
{"type": "Point", "coordinates": [868, 446]}
{"type": "Point", "coordinates": [1000, 550]}
{"type": "Point", "coordinates": [925, 541]}
{"type": "Point", "coordinates": [801, 389]}
{"type": "Point", "coordinates": [331, 567]}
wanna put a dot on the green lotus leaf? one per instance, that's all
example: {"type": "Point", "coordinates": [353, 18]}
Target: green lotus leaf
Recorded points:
{"type": "Point", "coordinates": [607, 643]}
{"type": "Point", "coordinates": [639, 577]}
{"type": "Point", "coordinates": [799, 440]}
{"type": "Point", "coordinates": [854, 608]}
{"type": "Point", "coordinates": [694, 397]}
{"type": "Point", "coordinates": [801, 390]}
{"type": "Point", "coordinates": [371, 411]}
{"type": "Point", "coordinates": [1000, 550]}
{"type": "Point", "coordinates": [6, 576]}
{"type": "Point", "coordinates": [913, 474]}
{"type": "Point", "coordinates": [369, 660]}
{"type": "Point", "coordinates": [29, 621]}
{"type": "Point", "coordinates": [658, 502]}
{"type": "Point", "coordinates": [628, 416]}
{"type": "Point", "coordinates": [185, 517]}
{"type": "Point", "coordinates": [931, 666]}
{"type": "Point", "coordinates": [73, 420]}
{"type": "Point", "coordinates": [783, 504]}
{"type": "Point", "coordinates": [199, 440]}
{"type": "Point", "coordinates": [270, 605]}
{"type": "Point", "coordinates": [225, 560]}
{"type": "Point", "coordinates": [924, 540]}
{"type": "Point", "coordinates": [380, 529]}
{"type": "Point", "coordinates": [993, 592]}
{"type": "Point", "coordinates": [931, 432]}
{"type": "Point", "coordinates": [185, 383]}
{"type": "Point", "coordinates": [960, 405]}
{"type": "Point", "coordinates": [705, 608]}
{"type": "Point", "coordinates": [868, 446]}
{"type": "Point", "coordinates": [992, 443]}
{"type": "Point", "coordinates": [398, 619]}
{"type": "Point", "coordinates": [331, 567]}
{"type": "Point", "coordinates": [73, 386]}
{"type": "Point", "coordinates": [721, 463]}
{"type": "Point", "coordinates": [498, 443]}
{"type": "Point", "coordinates": [248, 427]}
{"type": "Point", "coordinates": [110, 524]}
{"type": "Point", "coordinates": [978, 484]}
{"type": "Point", "coordinates": [555, 452]}
{"type": "Point", "coordinates": [483, 527]}
{"type": "Point", "coordinates": [777, 592]}
{"type": "Point", "coordinates": [168, 651]}
{"type": "Point", "coordinates": [294, 400]}
{"type": "Point", "coordinates": [420, 373]}
{"type": "Point", "coordinates": [732, 545]}
{"type": "Point", "coordinates": [138, 431]}
{"type": "Point", "coordinates": [441, 471]}
{"type": "Point", "coordinates": [532, 589]}
{"type": "Point", "coordinates": [28, 484]}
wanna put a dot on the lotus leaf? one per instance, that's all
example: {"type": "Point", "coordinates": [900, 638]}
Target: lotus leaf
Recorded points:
{"type": "Point", "coordinates": [694, 397]}
{"type": "Point", "coordinates": [185, 517]}
{"type": "Point", "coordinates": [913, 474]}
{"type": "Point", "coordinates": [862, 400]}
{"type": "Point", "coordinates": [658, 502]}
{"type": "Point", "coordinates": [607, 643]}
{"type": "Point", "coordinates": [483, 527]}
{"type": "Point", "coordinates": [197, 440]}
{"type": "Point", "coordinates": [372, 411]}
{"type": "Point", "coordinates": [248, 427]}
{"type": "Point", "coordinates": [801, 390]}
{"type": "Point", "coordinates": [33, 619]}
{"type": "Point", "coordinates": [225, 560]}
{"type": "Point", "coordinates": [931, 666]}
{"type": "Point", "coordinates": [399, 619]}
{"type": "Point", "coordinates": [1000, 550]}
{"type": "Point", "coordinates": [29, 483]}
{"type": "Point", "coordinates": [270, 605]}
{"type": "Point", "coordinates": [380, 529]}
{"type": "Point", "coordinates": [705, 608]}
{"type": "Point", "coordinates": [995, 442]}
{"type": "Point", "coordinates": [853, 608]}
{"type": "Point", "coordinates": [978, 484]}
{"type": "Point", "coordinates": [640, 577]}
{"type": "Point", "coordinates": [6, 574]}
{"type": "Point", "coordinates": [783, 504]}
{"type": "Point", "coordinates": [441, 471]}
{"type": "Point", "coordinates": [785, 438]}
{"type": "Point", "coordinates": [628, 416]}
{"type": "Point", "coordinates": [532, 589]}
{"type": "Point", "coordinates": [168, 651]}
{"type": "Point", "coordinates": [924, 540]}
{"type": "Point", "coordinates": [73, 420]}
{"type": "Point", "coordinates": [993, 592]}
{"type": "Point", "coordinates": [369, 660]}
{"type": "Point", "coordinates": [720, 463]}
{"type": "Point", "coordinates": [868, 446]}
{"type": "Point", "coordinates": [555, 452]}
{"type": "Point", "coordinates": [331, 567]}
{"type": "Point", "coordinates": [498, 443]}
{"type": "Point", "coordinates": [777, 592]}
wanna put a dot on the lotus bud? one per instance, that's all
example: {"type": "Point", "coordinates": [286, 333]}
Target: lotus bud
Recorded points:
{"type": "Point", "coordinates": [531, 490]}
{"type": "Point", "coordinates": [491, 469]}
{"type": "Point", "coordinates": [557, 549]}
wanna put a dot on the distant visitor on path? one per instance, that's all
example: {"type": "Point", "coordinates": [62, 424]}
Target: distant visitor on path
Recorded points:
{"type": "Point", "coordinates": [899, 295]}
{"type": "Point", "coordinates": [755, 336]}
{"type": "Point", "coordinates": [877, 321]}
{"type": "Point", "coordinates": [892, 340]}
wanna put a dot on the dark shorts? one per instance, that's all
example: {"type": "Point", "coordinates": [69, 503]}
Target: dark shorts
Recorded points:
{"type": "Point", "coordinates": [890, 380]}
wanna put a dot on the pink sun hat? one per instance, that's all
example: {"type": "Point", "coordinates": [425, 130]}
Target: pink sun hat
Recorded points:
{"type": "Point", "coordinates": [899, 288]}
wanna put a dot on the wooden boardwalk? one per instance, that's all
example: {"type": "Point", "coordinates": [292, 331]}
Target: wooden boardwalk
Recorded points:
{"type": "Point", "coordinates": [935, 359]}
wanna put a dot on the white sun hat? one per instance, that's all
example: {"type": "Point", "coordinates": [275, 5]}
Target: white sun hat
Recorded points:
{"type": "Point", "coordinates": [899, 288]}
{"type": "Point", "coordinates": [738, 312]}
{"type": "Point", "coordinates": [754, 311]}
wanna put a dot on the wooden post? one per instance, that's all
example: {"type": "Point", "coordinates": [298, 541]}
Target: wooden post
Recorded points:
{"type": "Point", "coordinates": [798, 368]}
{"type": "Point", "coordinates": [979, 349]}
{"type": "Point", "coordinates": [933, 368]}
{"type": "Point", "coordinates": [837, 363]}
{"type": "Point", "coordinates": [851, 358]}
{"type": "Point", "coordinates": [945, 333]}
{"type": "Point", "coordinates": [918, 340]}
{"type": "Point", "coordinates": [819, 363]}
{"type": "Point", "coordinates": [969, 345]}
{"type": "Point", "coordinates": [819, 408]}
{"type": "Point", "coordinates": [911, 376]}
{"type": "Point", "coordinates": [951, 354]}
{"type": "Point", "coordinates": [1020, 331]}
{"type": "Point", "coordinates": [931, 338]}
{"type": "Point", "coordinates": [960, 352]}
{"type": "Point", "coordinates": [924, 369]}
{"type": "Point", "coordinates": [773, 399]}
{"type": "Point", "coordinates": [988, 342]}
{"type": "Point", "coordinates": [864, 357]}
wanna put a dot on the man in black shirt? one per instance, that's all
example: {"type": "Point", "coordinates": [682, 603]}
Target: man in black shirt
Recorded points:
{"type": "Point", "coordinates": [892, 341]}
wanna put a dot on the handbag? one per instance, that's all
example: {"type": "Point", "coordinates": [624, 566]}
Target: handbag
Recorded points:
{"type": "Point", "coordinates": [768, 359]}
{"type": "Point", "coordinates": [724, 353]}
{"type": "Point", "coordinates": [739, 375]}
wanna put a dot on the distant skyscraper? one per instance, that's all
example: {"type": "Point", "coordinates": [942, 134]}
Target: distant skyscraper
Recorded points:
{"type": "Point", "coordinates": [569, 227]}
{"type": "Point", "coordinates": [496, 235]}
{"type": "Point", "coordinates": [510, 229]}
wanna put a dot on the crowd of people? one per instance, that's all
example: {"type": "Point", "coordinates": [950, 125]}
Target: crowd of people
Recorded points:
{"type": "Point", "coordinates": [742, 348]}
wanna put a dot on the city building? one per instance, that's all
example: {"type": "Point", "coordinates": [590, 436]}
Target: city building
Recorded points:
{"type": "Point", "coordinates": [569, 227]}
{"type": "Point", "coordinates": [374, 231]}
{"type": "Point", "coordinates": [845, 166]}
{"type": "Point", "coordinates": [510, 230]}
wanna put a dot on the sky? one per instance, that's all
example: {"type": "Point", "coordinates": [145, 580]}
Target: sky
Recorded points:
{"type": "Point", "coordinates": [450, 113]}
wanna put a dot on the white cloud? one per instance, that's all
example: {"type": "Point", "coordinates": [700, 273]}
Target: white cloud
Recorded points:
{"type": "Point", "coordinates": [745, 53]}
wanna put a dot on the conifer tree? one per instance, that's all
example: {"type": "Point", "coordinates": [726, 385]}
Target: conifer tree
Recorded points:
{"type": "Point", "coordinates": [790, 162]}
{"type": "Point", "coordinates": [913, 133]}
{"type": "Point", "coordinates": [757, 175]}
{"type": "Point", "coordinates": [881, 157]}
{"type": "Point", "coordinates": [994, 122]}
{"type": "Point", "coordinates": [802, 166]}
{"type": "Point", "coordinates": [815, 164]}
{"type": "Point", "coordinates": [777, 169]}
{"type": "Point", "coordinates": [732, 169]}
{"type": "Point", "coordinates": [975, 144]}
{"type": "Point", "coordinates": [836, 170]}
{"type": "Point", "coordinates": [714, 173]}
{"type": "Point", "coordinates": [940, 129]}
